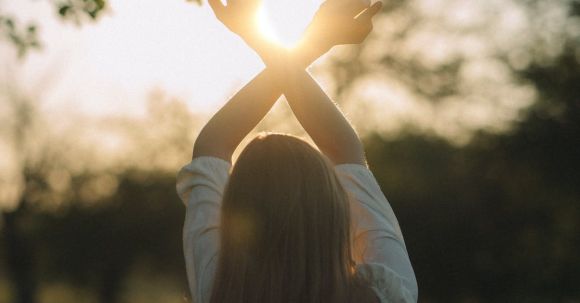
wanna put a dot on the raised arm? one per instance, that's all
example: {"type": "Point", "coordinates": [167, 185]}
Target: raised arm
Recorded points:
{"type": "Point", "coordinates": [228, 127]}
{"type": "Point", "coordinates": [319, 116]}
{"type": "Point", "coordinates": [333, 134]}
{"type": "Point", "coordinates": [322, 119]}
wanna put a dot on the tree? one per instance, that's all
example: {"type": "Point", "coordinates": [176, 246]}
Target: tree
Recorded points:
{"type": "Point", "coordinates": [497, 217]}
{"type": "Point", "coordinates": [86, 211]}
{"type": "Point", "coordinates": [25, 37]}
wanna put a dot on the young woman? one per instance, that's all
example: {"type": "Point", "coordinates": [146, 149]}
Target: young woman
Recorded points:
{"type": "Point", "coordinates": [289, 223]}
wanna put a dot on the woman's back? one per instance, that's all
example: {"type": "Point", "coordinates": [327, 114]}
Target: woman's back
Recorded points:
{"type": "Point", "coordinates": [228, 272]}
{"type": "Point", "coordinates": [285, 227]}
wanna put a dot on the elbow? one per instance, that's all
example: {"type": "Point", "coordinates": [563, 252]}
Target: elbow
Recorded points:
{"type": "Point", "coordinates": [347, 154]}
{"type": "Point", "coordinates": [412, 286]}
{"type": "Point", "coordinates": [200, 147]}
{"type": "Point", "coordinates": [415, 290]}
{"type": "Point", "coordinates": [207, 148]}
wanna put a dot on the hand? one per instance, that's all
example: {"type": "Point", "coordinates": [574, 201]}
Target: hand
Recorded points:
{"type": "Point", "coordinates": [342, 22]}
{"type": "Point", "coordinates": [239, 16]}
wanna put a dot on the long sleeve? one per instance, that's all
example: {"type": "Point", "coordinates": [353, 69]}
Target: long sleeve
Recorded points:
{"type": "Point", "coordinates": [200, 185]}
{"type": "Point", "coordinates": [378, 244]}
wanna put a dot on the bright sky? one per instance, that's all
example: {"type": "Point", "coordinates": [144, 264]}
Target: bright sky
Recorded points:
{"type": "Point", "coordinates": [139, 45]}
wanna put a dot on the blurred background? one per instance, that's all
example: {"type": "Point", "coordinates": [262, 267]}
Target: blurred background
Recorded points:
{"type": "Point", "coordinates": [470, 112]}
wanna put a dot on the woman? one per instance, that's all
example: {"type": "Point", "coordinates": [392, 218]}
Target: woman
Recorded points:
{"type": "Point", "coordinates": [290, 223]}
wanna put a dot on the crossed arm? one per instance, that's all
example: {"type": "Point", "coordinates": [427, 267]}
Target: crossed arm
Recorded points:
{"type": "Point", "coordinates": [285, 74]}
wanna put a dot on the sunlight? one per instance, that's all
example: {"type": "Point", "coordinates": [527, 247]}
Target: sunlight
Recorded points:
{"type": "Point", "coordinates": [284, 21]}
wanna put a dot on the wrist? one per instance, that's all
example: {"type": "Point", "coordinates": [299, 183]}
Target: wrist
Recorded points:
{"type": "Point", "coordinates": [273, 55]}
{"type": "Point", "coordinates": [269, 52]}
{"type": "Point", "coordinates": [318, 39]}
{"type": "Point", "coordinates": [307, 52]}
{"type": "Point", "coordinates": [252, 41]}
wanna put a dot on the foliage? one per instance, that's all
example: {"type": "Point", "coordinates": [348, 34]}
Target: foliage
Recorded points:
{"type": "Point", "coordinates": [22, 39]}
{"type": "Point", "coordinates": [25, 37]}
{"type": "Point", "coordinates": [455, 66]}
{"type": "Point", "coordinates": [113, 199]}
{"type": "Point", "coordinates": [78, 9]}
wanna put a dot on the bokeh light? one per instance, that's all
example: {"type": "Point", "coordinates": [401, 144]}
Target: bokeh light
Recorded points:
{"type": "Point", "coordinates": [284, 21]}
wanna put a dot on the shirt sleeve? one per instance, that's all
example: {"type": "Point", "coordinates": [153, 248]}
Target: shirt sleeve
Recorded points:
{"type": "Point", "coordinates": [200, 186]}
{"type": "Point", "coordinates": [378, 242]}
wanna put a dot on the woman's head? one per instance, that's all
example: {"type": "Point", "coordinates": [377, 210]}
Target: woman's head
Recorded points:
{"type": "Point", "coordinates": [285, 233]}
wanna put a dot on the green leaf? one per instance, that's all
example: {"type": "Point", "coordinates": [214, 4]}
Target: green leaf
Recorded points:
{"type": "Point", "coordinates": [64, 10]}
{"type": "Point", "coordinates": [9, 23]}
{"type": "Point", "coordinates": [100, 4]}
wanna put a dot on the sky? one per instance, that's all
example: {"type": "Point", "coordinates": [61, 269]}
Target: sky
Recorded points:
{"type": "Point", "coordinates": [111, 66]}
{"type": "Point", "coordinates": [138, 47]}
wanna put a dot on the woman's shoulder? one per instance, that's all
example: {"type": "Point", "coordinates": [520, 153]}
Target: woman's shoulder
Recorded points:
{"type": "Point", "coordinates": [206, 174]}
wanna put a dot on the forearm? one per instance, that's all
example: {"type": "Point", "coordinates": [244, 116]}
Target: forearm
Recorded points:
{"type": "Point", "coordinates": [230, 125]}
{"type": "Point", "coordinates": [277, 57]}
{"type": "Point", "coordinates": [285, 73]}
{"type": "Point", "coordinates": [321, 118]}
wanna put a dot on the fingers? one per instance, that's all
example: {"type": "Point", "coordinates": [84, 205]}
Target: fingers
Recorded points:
{"type": "Point", "coordinates": [355, 7]}
{"type": "Point", "coordinates": [346, 8]}
{"type": "Point", "coordinates": [217, 6]}
{"type": "Point", "coordinates": [370, 12]}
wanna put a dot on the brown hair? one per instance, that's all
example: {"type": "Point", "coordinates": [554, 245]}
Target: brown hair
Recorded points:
{"type": "Point", "coordinates": [285, 228]}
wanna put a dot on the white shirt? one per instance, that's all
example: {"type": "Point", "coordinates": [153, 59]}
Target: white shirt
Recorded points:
{"type": "Point", "coordinates": [379, 249]}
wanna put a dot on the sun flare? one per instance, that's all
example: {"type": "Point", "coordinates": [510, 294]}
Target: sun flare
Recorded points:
{"type": "Point", "coordinates": [284, 21]}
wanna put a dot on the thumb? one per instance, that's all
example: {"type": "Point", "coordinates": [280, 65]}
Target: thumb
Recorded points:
{"type": "Point", "coordinates": [370, 12]}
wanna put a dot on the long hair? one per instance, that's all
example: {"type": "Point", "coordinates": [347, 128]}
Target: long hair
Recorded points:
{"type": "Point", "coordinates": [285, 228]}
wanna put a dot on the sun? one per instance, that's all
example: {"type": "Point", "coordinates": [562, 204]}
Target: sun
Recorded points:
{"type": "Point", "coordinates": [284, 21]}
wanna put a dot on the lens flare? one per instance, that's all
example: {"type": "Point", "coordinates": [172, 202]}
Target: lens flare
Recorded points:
{"type": "Point", "coordinates": [284, 21]}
